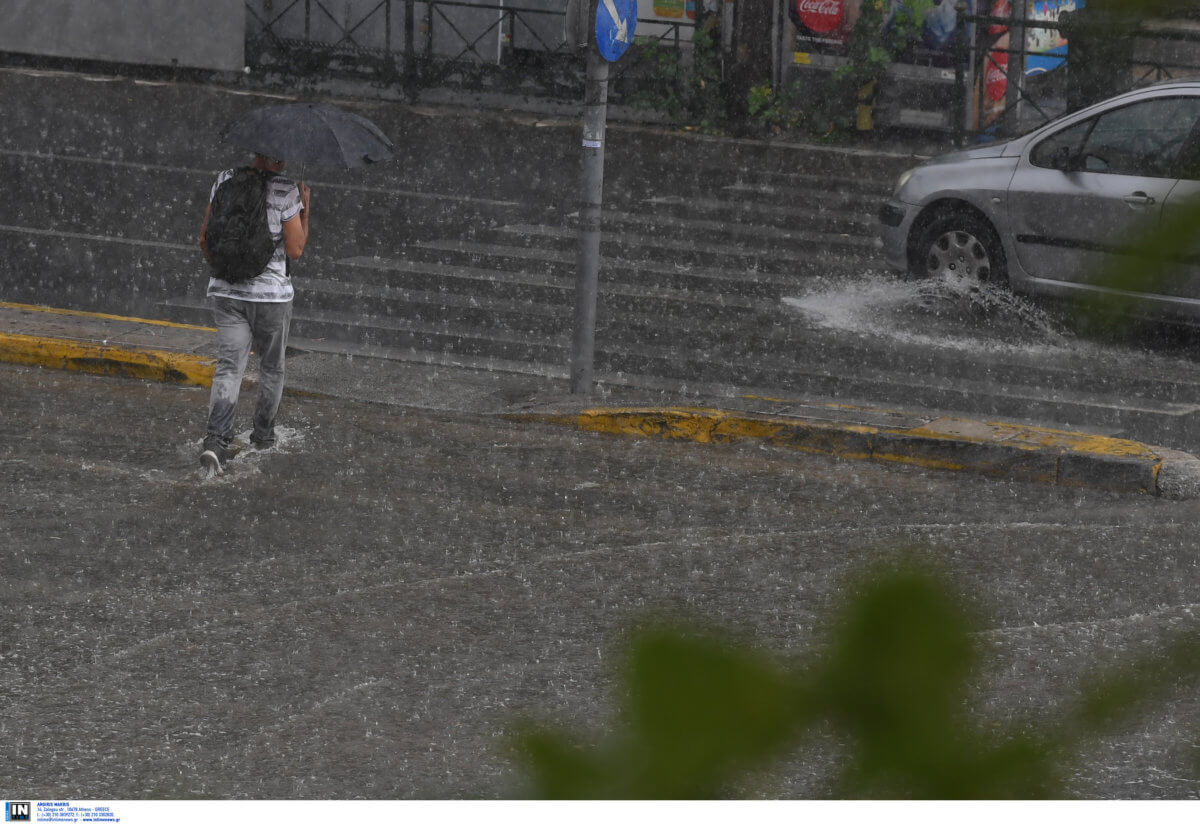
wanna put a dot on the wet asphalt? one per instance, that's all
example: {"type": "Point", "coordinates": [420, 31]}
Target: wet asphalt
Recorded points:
{"type": "Point", "coordinates": [364, 611]}
{"type": "Point", "coordinates": [732, 266]}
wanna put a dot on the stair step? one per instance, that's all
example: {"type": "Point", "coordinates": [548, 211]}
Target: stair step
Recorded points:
{"type": "Point", "coordinates": [819, 241]}
{"type": "Point", "coordinates": [733, 229]}
{"type": "Point", "coordinates": [523, 288]}
{"type": "Point", "coordinates": [746, 280]}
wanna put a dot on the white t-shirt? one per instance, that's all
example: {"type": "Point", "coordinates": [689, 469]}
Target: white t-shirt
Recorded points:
{"type": "Point", "coordinates": [273, 285]}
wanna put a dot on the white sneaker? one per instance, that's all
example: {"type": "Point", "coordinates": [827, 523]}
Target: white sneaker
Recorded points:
{"type": "Point", "coordinates": [210, 464]}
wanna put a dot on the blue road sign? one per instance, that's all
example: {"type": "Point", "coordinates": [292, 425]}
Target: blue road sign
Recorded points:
{"type": "Point", "coordinates": [615, 22]}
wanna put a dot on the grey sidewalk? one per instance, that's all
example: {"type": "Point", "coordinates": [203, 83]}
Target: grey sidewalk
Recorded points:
{"type": "Point", "coordinates": [181, 353]}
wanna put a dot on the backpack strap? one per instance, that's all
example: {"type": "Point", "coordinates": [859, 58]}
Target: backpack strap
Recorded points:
{"type": "Point", "coordinates": [268, 176]}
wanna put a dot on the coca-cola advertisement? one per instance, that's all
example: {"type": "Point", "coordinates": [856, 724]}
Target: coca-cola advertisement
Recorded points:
{"type": "Point", "coordinates": [825, 23]}
{"type": "Point", "coordinates": [824, 26]}
{"type": "Point", "coordinates": [994, 74]}
{"type": "Point", "coordinates": [995, 77]}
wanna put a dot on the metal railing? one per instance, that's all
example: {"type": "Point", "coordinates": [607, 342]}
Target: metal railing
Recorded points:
{"type": "Point", "coordinates": [421, 44]}
{"type": "Point", "coordinates": [992, 61]}
{"type": "Point", "coordinates": [1030, 101]}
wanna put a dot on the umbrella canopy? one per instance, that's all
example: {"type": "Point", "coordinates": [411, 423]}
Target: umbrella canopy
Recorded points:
{"type": "Point", "coordinates": [310, 133]}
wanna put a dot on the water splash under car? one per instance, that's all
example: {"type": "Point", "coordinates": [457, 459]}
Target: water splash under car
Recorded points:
{"type": "Point", "coordinates": [1048, 212]}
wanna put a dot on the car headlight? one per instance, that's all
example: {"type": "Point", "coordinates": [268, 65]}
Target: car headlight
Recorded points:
{"type": "Point", "coordinates": [900, 183]}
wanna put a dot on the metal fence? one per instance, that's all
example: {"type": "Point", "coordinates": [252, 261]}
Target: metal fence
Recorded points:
{"type": "Point", "coordinates": [998, 96]}
{"type": "Point", "coordinates": [419, 44]}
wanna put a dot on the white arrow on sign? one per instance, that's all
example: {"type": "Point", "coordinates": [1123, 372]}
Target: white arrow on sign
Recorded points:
{"type": "Point", "coordinates": [622, 25]}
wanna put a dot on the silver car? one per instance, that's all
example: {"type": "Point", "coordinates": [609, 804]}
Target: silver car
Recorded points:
{"type": "Point", "coordinates": [1046, 211]}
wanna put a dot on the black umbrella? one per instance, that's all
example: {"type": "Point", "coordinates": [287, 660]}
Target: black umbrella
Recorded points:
{"type": "Point", "coordinates": [310, 133]}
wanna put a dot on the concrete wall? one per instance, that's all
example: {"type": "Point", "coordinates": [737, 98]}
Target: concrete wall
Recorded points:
{"type": "Point", "coordinates": [206, 34]}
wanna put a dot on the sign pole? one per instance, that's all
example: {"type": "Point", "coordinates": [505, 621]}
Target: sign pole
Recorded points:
{"type": "Point", "coordinates": [606, 27]}
{"type": "Point", "coordinates": [591, 196]}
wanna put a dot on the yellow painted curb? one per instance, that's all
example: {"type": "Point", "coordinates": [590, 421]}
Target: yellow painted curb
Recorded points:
{"type": "Point", "coordinates": [101, 359]}
{"type": "Point", "coordinates": [998, 449]}
{"type": "Point", "coordinates": [1030, 437]}
{"type": "Point", "coordinates": [705, 425]}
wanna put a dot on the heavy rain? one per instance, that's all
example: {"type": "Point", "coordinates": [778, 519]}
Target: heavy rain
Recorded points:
{"type": "Point", "coordinates": [425, 564]}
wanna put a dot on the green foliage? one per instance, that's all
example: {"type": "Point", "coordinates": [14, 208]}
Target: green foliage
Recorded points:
{"type": "Point", "coordinates": [668, 91]}
{"type": "Point", "coordinates": [707, 100]}
{"type": "Point", "coordinates": [871, 49]}
{"type": "Point", "coordinates": [896, 682]}
{"type": "Point", "coordinates": [780, 112]}
{"type": "Point", "coordinates": [703, 712]}
{"type": "Point", "coordinates": [688, 94]}
{"type": "Point", "coordinates": [830, 107]}
{"type": "Point", "coordinates": [699, 713]}
{"type": "Point", "coordinates": [695, 94]}
{"type": "Point", "coordinates": [1152, 262]}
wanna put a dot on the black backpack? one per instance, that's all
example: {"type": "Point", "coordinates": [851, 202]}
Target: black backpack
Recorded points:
{"type": "Point", "coordinates": [238, 235]}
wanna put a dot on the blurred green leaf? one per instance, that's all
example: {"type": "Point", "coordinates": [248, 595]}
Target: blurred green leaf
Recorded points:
{"type": "Point", "coordinates": [558, 768]}
{"type": "Point", "coordinates": [1150, 264]}
{"type": "Point", "coordinates": [1122, 694]}
{"type": "Point", "coordinates": [897, 681]}
{"type": "Point", "coordinates": [702, 711]}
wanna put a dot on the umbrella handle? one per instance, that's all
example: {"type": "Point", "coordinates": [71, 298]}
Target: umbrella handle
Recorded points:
{"type": "Point", "coordinates": [301, 186]}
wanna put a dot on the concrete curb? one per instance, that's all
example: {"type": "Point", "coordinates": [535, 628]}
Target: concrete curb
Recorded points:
{"type": "Point", "coordinates": [178, 353]}
{"type": "Point", "coordinates": [75, 356]}
{"type": "Point", "coordinates": [105, 344]}
{"type": "Point", "coordinates": [1002, 450]}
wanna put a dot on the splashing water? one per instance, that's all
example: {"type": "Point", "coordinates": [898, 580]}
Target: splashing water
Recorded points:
{"type": "Point", "coordinates": [948, 312]}
{"type": "Point", "coordinates": [248, 459]}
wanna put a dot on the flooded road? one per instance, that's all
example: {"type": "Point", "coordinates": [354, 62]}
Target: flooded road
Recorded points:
{"type": "Point", "coordinates": [363, 611]}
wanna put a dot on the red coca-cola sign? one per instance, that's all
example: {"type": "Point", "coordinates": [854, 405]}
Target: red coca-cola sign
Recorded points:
{"type": "Point", "coordinates": [995, 82]}
{"type": "Point", "coordinates": [1000, 8]}
{"type": "Point", "coordinates": [821, 16]}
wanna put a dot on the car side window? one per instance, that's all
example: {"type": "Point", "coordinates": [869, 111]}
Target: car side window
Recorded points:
{"type": "Point", "coordinates": [1064, 144]}
{"type": "Point", "coordinates": [1143, 139]}
{"type": "Point", "coordinates": [1189, 158]}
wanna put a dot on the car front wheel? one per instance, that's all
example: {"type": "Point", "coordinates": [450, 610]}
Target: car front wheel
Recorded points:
{"type": "Point", "coordinates": [962, 245]}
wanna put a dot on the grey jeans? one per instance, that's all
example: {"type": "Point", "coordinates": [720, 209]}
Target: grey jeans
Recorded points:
{"type": "Point", "coordinates": [241, 323]}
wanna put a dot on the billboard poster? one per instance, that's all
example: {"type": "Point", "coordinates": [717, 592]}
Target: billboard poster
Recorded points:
{"type": "Point", "coordinates": [824, 26]}
{"type": "Point", "coordinates": [675, 9]}
{"type": "Point", "coordinates": [1046, 47]}
{"type": "Point", "coordinates": [1045, 50]}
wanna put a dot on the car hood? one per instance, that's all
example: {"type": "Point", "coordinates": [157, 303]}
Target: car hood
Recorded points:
{"type": "Point", "coordinates": [978, 153]}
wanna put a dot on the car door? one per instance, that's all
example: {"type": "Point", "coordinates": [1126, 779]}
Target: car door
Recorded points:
{"type": "Point", "coordinates": [1181, 277]}
{"type": "Point", "coordinates": [1085, 192]}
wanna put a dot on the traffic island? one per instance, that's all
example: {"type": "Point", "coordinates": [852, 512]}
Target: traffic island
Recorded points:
{"type": "Point", "coordinates": [182, 353]}
{"type": "Point", "coordinates": [107, 344]}
{"type": "Point", "coordinates": [1001, 450]}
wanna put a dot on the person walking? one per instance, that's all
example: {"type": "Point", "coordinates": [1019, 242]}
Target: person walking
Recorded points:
{"type": "Point", "coordinates": [257, 312]}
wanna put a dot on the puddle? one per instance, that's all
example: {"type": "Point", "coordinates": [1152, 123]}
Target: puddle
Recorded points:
{"type": "Point", "coordinates": [946, 312]}
{"type": "Point", "coordinates": [248, 460]}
